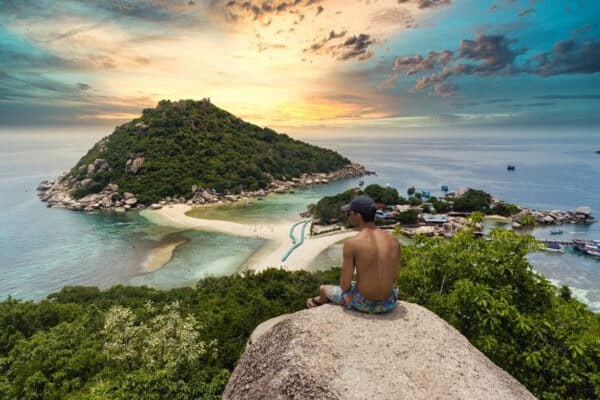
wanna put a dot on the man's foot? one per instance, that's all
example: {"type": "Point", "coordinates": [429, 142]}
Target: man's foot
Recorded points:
{"type": "Point", "coordinates": [314, 302]}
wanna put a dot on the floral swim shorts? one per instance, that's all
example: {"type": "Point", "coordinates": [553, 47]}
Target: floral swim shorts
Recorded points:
{"type": "Point", "coordinates": [353, 300]}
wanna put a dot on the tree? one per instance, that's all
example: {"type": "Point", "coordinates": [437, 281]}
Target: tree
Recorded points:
{"type": "Point", "coordinates": [473, 200]}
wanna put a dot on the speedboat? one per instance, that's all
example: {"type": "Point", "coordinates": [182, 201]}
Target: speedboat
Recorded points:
{"type": "Point", "coordinates": [556, 232]}
{"type": "Point", "coordinates": [361, 182]}
{"type": "Point", "coordinates": [510, 167]}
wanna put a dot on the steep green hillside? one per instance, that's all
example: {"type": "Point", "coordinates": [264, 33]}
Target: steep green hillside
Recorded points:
{"type": "Point", "coordinates": [185, 143]}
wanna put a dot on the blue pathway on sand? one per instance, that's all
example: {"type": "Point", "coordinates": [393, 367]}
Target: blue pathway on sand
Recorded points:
{"type": "Point", "coordinates": [298, 244]}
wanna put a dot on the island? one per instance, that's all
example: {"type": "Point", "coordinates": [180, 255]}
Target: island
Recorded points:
{"type": "Point", "coordinates": [427, 215]}
{"type": "Point", "coordinates": [191, 152]}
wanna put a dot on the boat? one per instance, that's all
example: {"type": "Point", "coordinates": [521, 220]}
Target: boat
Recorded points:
{"type": "Point", "coordinates": [444, 188]}
{"type": "Point", "coordinates": [361, 182]}
{"type": "Point", "coordinates": [589, 247]}
{"type": "Point", "coordinates": [554, 247]}
{"type": "Point", "coordinates": [597, 151]}
{"type": "Point", "coordinates": [510, 167]}
{"type": "Point", "coordinates": [556, 232]}
{"type": "Point", "coordinates": [425, 193]}
{"type": "Point", "coordinates": [410, 190]}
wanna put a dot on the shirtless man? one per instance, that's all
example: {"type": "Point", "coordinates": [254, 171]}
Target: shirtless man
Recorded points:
{"type": "Point", "coordinates": [375, 254]}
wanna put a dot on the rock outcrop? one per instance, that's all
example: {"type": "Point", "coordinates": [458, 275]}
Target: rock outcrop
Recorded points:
{"type": "Point", "coordinates": [332, 353]}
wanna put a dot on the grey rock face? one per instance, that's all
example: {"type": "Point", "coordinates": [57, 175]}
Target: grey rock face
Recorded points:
{"type": "Point", "coordinates": [332, 353]}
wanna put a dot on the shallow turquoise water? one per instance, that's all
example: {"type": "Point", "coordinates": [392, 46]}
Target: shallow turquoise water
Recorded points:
{"type": "Point", "coordinates": [41, 249]}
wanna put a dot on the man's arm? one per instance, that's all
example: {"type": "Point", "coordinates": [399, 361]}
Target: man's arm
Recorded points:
{"type": "Point", "coordinates": [347, 267]}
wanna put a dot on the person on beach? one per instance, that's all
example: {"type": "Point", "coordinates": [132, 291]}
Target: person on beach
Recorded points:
{"type": "Point", "coordinates": [375, 254]}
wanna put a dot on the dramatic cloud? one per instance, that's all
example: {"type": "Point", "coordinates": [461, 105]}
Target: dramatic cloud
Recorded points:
{"type": "Point", "coordinates": [493, 54]}
{"type": "Point", "coordinates": [567, 57]}
{"type": "Point", "coordinates": [413, 64]}
{"type": "Point", "coordinates": [426, 3]}
{"type": "Point", "coordinates": [234, 10]}
{"type": "Point", "coordinates": [352, 47]}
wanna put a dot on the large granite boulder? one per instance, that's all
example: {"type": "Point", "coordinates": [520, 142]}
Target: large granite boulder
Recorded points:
{"type": "Point", "coordinates": [331, 353]}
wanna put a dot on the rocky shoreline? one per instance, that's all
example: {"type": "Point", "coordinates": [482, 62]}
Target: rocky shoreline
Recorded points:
{"type": "Point", "coordinates": [58, 193]}
{"type": "Point", "coordinates": [581, 215]}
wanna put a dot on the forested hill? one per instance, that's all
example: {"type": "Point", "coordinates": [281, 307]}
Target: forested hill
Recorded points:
{"type": "Point", "coordinates": [179, 144]}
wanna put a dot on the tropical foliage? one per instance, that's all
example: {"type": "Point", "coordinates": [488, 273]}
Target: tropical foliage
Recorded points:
{"type": "Point", "coordinates": [141, 343]}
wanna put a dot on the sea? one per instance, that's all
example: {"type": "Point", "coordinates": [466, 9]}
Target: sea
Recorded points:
{"type": "Point", "coordinates": [44, 249]}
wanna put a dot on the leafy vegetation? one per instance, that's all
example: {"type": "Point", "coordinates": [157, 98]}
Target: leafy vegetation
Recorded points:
{"type": "Point", "coordinates": [505, 209]}
{"type": "Point", "coordinates": [488, 291]}
{"type": "Point", "coordinates": [528, 220]}
{"type": "Point", "coordinates": [141, 343]}
{"type": "Point", "coordinates": [473, 200]}
{"type": "Point", "coordinates": [189, 143]}
{"type": "Point", "coordinates": [384, 195]}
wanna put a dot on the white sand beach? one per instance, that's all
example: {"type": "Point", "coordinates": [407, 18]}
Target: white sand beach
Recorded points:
{"type": "Point", "coordinates": [277, 235]}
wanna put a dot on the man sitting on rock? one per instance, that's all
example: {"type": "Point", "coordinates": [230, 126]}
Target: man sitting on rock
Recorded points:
{"type": "Point", "coordinates": [376, 255]}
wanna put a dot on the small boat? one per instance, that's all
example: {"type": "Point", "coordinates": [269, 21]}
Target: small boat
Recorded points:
{"type": "Point", "coordinates": [410, 190]}
{"type": "Point", "coordinates": [556, 232]}
{"type": "Point", "coordinates": [444, 188]}
{"type": "Point", "coordinates": [555, 247]}
{"type": "Point", "coordinates": [510, 167]}
{"type": "Point", "coordinates": [597, 151]}
{"type": "Point", "coordinates": [361, 182]}
{"type": "Point", "coordinates": [425, 193]}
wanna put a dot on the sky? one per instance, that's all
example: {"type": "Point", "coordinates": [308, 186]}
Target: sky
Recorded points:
{"type": "Point", "coordinates": [296, 65]}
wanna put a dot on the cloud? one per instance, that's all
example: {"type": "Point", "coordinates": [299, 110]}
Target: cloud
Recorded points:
{"type": "Point", "coordinates": [389, 81]}
{"type": "Point", "coordinates": [426, 3]}
{"type": "Point", "coordinates": [393, 16]}
{"type": "Point", "coordinates": [445, 89]}
{"type": "Point", "coordinates": [492, 54]}
{"type": "Point", "coordinates": [525, 12]}
{"type": "Point", "coordinates": [235, 10]}
{"type": "Point", "coordinates": [413, 64]}
{"type": "Point", "coordinates": [569, 97]}
{"type": "Point", "coordinates": [567, 57]}
{"type": "Point", "coordinates": [355, 46]}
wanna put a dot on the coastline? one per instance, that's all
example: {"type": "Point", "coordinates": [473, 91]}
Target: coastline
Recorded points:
{"type": "Point", "coordinates": [276, 234]}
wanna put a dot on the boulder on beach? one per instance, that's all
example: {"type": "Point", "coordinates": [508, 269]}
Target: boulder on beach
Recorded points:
{"type": "Point", "coordinates": [331, 353]}
{"type": "Point", "coordinates": [583, 210]}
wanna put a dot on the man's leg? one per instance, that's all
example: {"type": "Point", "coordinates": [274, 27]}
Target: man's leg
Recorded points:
{"type": "Point", "coordinates": [323, 290]}
{"type": "Point", "coordinates": [327, 293]}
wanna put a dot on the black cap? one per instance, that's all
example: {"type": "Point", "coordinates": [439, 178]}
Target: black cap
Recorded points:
{"type": "Point", "coordinates": [361, 204]}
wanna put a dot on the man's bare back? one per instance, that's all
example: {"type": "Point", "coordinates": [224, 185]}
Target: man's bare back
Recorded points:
{"type": "Point", "coordinates": [376, 255]}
